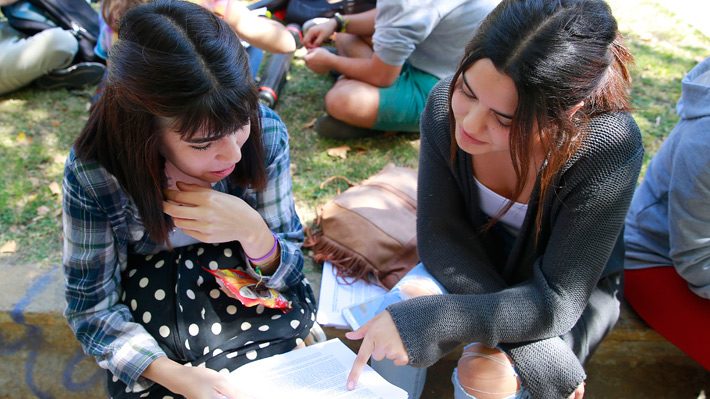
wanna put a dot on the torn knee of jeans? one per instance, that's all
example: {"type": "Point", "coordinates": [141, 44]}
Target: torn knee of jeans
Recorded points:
{"type": "Point", "coordinates": [487, 373]}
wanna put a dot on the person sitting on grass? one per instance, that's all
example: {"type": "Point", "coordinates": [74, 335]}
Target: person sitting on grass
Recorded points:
{"type": "Point", "coordinates": [668, 228]}
{"type": "Point", "coordinates": [178, 172]}
{"type": "Point", "coordinates": [389, 57]}
{"type": "Point", "coordinates": [528, 163]}
{"type": "Point", "coordinates": [44, 59]}
{"type": "Point", "coordinates": [260, 33]}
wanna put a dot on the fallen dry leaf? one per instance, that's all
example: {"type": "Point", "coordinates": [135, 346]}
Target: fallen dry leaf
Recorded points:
{"type": "Point", "coordinates": [311, 123]}
{"type": "Point", "coordinates": [34, 181]}
{"type": "Point", "coordinates": [21, 137]}
{"type": "Point", "coordinates": [55, 123]}
{"type": "Point", "coordinates": [42, 210]}
{"type": "Point", "coordinates": [54, 188]}
{"type": "Point", "coordinates": [331, 178]}
{"type": "Point", "coordinates": [341, 151]}
{"type": "Point", "coordinates": [57, 213]}
{"type": "Point", "coordinates": [60, 158]}
{"type": "Point", "coordinates": [9, 247]}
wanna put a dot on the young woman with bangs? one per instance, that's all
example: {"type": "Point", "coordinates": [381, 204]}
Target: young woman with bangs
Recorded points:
{"type": "Point", "coordinates": [179, 171]}
{"type": "Point", "coordinates": [528, 163]}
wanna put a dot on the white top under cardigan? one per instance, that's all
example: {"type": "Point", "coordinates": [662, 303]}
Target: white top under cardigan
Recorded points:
{"type": "Point", "coordinates": [492, 203]}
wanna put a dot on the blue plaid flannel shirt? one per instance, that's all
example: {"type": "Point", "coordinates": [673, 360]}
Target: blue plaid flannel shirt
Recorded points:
{"type": "Point", "coordinates": [101, 226]}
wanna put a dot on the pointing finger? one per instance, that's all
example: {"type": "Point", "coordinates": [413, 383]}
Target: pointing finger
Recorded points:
{"type": "Point", "coordinates": [363, 355]}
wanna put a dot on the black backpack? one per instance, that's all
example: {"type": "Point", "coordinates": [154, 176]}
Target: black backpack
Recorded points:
{"type": "Point", "coordinates": [76, 16]}
{"type": "Point", "coordinates": [300, 11]}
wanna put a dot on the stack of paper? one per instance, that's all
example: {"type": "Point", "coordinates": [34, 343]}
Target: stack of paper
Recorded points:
{"type": "Point", "coordinates": [317, 371]}
{"type": "Point", "coordinates": [336, 295]}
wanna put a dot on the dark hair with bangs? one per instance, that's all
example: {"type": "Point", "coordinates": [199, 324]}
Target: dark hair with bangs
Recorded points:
{"type": "Point", "coordinates": [175, 60]}
{"type": "Point", "coordinates": [558, 53]}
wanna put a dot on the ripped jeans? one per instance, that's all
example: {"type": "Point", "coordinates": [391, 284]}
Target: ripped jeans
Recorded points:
{"type": "Point", "coordinates": [419, 282]}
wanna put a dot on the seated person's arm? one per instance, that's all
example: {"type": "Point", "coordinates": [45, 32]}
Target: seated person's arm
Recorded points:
{"type": "Point", "coordinates": [688, 205]}
{"type": "Point", "coordinates": [360, 24]}
{"type": "Point", "coordinates": [369, 70]}
{"type": "Point", "coordinates": [264, 33]}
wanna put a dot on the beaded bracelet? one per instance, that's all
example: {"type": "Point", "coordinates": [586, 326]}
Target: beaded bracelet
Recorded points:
{"type": "Point", "coordinates": [265, 257]}
{"type": "Point", "coordinates": [341, 24]}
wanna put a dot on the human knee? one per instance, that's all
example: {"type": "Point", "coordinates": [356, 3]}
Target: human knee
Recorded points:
{"type": "Point", "coordinates": [352, 46]}
{"type": "Point", "coordinates": [487, 373]}
{"type": "Point", "coordinates": [339, 101]}
{"type": "Point", "coordinates": [333, 98]}
{"type": "Point", "coordinates": [59, 47]}
{"type": "Point", "coordinates": [344, 42]}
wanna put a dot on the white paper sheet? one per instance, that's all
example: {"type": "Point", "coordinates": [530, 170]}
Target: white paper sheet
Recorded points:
{"type": "Point", "coordinates": [336, 295]}
{"type": "Point", "coordinates": [317, 371]}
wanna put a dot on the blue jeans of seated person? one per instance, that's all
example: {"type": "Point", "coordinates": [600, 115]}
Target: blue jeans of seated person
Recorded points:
{"type": "Point", "coordinates": [409, 378]}
{"type": "Point", "coordinates": [255, 57]}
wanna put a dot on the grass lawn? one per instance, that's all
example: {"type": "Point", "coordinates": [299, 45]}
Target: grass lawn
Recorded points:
{"type": "Point", "coordinates": [37, 128]}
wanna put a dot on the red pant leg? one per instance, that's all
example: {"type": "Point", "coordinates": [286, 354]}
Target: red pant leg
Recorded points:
{"type": "Point", "coordinates": [662, 298]}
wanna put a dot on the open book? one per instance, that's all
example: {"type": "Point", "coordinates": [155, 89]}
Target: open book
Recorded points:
{"type": "Point", "coordinates": [316, 371]}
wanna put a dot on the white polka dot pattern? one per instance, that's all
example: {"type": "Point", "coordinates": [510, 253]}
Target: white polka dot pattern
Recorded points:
{"type": "Point", "coordinates": [194, 329]}
{"type": "Point", "coordinates": [164, 331]}
{"type": "Point", "coordinates": [184, 303]}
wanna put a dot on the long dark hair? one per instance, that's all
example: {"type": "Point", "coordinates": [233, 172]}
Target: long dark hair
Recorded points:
{"type": "Point", "coordinates": [174, 60]}
{"type": "Point", "coordinates": [558, 53]}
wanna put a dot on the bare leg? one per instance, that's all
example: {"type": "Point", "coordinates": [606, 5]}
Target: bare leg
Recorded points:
{"type": "Point", "coordinates": [353, 102]}
{"type": "Point", "coordinates": [353, 46]}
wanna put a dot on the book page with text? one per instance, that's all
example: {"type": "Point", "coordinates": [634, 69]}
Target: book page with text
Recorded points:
{"type": "Point", "coordinates": [317, 371]}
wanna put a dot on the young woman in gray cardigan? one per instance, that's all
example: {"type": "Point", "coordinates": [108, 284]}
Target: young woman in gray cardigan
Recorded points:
{"type": "Point", "coordinates": [528, 164]}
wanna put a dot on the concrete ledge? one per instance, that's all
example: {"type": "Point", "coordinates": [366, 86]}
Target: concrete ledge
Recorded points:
{"type": "Point", "coordinates": [40, 356]}
{"type": "Point", "coordinates": [42, 359]}
{"type": "Point", "coordinates": [633, 342]}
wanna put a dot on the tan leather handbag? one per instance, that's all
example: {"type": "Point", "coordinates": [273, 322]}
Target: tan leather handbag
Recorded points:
{"type": "Point", "coordinates": [369, 230]}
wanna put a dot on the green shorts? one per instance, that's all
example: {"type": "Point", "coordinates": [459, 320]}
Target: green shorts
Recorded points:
{"type": "Point", "coordinates": [402, 103]}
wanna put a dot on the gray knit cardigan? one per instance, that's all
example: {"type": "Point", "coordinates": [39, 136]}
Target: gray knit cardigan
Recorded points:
{"type": "Point", "coordinates": [547, 303]}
